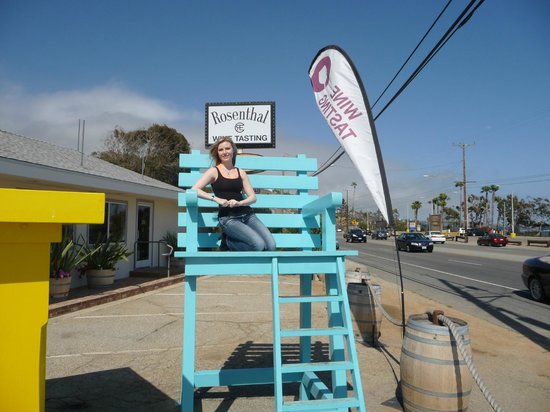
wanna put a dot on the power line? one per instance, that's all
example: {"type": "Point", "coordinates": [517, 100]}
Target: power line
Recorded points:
{"type": "Point", "coordinates": [458, 23]}
{"type": "Point", "coordinates": [328, 162]}
{"type": "Point", "coordinates": [412, 53]}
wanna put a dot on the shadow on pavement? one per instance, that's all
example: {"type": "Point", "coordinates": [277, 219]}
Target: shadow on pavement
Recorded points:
{"type": "Point", "coordinates": [502, 315]}
{"type": "Point", "coordinates": [112, 390]}
{"type": "Point", "coordinates": [259, 355]}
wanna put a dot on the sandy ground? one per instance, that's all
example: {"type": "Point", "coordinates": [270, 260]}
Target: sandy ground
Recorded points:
{"type": "Point", "coordinates": [515, 370]}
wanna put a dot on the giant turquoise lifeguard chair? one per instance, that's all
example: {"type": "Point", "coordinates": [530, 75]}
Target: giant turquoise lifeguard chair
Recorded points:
{"type": "Point", "coordinates": [285, 201]}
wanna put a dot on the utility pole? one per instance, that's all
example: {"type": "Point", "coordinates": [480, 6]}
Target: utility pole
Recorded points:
{"type": "Point", "coordinates": [463, 146]}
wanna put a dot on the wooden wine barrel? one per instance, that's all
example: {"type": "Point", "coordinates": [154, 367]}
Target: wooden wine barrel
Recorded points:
{"type": "Point", "coordinates": [100, 278]}
{"type": "Point", "coordinates": [60, 287]}
{"type": "Point", "coordinates": [365, 313]}
{"type": "Point", "coordinates": [354, 276]}
{"type": "Point", "coordinates": [434, 376]}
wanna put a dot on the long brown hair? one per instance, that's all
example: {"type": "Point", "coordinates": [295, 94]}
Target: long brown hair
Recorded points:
{"type": "Point", "coordinates": [214, 150]}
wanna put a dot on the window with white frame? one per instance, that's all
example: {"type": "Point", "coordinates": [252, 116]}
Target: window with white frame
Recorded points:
{"type": "Point", "coordinates": [114, 226]}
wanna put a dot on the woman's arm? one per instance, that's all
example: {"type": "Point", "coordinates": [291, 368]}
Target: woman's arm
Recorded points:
{"type": "Point", "coordinates": [208, 177]}
{"type": "Point", "coordinates": [248, 190]}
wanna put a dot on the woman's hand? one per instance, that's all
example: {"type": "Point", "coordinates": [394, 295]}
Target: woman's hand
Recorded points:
{"type": "Point", "coordinates": [222, 202]}
{"type": "Point", "coordinates": [233, 203]}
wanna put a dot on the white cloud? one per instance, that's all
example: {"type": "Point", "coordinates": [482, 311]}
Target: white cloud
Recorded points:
{"type": "Point", "coordinates": [53, 117]}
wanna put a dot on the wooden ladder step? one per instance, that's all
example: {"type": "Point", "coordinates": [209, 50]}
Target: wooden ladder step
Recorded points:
{"type": "Point", "coordinates": [321, 404]}
{"type": "Point", "coordinates": [317, 366]}
{"type": "Point", "coordinates": [335, 331]}
{"type": "Point", "coordinates": [311, 299]}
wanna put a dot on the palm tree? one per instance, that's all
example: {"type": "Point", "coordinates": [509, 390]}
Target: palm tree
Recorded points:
{"type": "Point", "coordinates": [442, 200]}
{"type": "Point", "coordinates": [486, 190]}
{"type": "Point", "coordinates": [494, 189]}
{"type": "Point", "coordinates": [475, 210]}
{"type": "Point", "coordinates": [434, 202]}
{"type": "Point", "coordinates": [416, 205]}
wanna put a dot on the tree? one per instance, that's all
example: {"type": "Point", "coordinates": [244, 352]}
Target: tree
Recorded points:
{"type": "Point", "coordinates": [452, 216]}
{"type": "Point", "coordinates": [434, 202]}
{"type": "Point", "coordinates": [493, 190]}
{"type": "Point", "coordinates": [153, 152]}
{"type": "Point", "coordinates": [442, 200]}
{"type": "Point", "coordinates": [416, 205]}
{"type": "Point", "coordinates": [475, 210]}
{"type": "Point", "coordinates": [540, 213]}
{"type": "Point", "coordinates": [486, 190]}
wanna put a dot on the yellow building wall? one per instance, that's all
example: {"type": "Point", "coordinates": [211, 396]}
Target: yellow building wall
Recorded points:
{"type": "Point", "coordinates": [29, 221]}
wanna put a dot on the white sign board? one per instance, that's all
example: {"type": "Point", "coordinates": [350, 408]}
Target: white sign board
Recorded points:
{"type": "Point", "coordinates": [248, 124]}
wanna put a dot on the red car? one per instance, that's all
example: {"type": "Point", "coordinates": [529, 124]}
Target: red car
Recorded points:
{"type": "Point", "coordinates": [492, 239]}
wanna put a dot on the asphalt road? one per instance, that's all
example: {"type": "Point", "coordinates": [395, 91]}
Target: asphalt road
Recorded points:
{"type": "Point", "coordinates": [482, 281]}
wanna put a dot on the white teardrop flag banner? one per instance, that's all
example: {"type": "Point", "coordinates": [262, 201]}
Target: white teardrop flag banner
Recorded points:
{"type": "Point", "coordinates": [341, 98]}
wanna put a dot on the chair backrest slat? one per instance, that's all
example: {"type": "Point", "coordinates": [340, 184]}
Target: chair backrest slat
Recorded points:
{"type": "Point", "coordinates": [283, 186]}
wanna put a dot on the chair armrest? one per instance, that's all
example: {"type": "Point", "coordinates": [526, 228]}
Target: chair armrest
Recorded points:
{"type": "Point", "coordinates": [328, 201]}
{"type": "Point", "coordinates": [191, 198]}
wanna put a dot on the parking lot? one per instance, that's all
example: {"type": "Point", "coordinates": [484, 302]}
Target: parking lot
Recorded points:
{"type": "Point", "coordinates": [126, 355]}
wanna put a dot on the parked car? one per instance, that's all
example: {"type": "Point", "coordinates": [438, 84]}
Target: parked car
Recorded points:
{"type": "Point", "coordinates": [356, 235]}
{"type": "Point", "coordinates": [492, 239]}
{"type": "Point", "coordinates": [436, 236]}
{"type": "Point", "coordinates": [475, 231]}
{"type": "Point", "coordinates": [380, 234]}
{"type": "Point", "coordinates": [536, 276]}
{"type": "Point", "coordinates": [414, 241]}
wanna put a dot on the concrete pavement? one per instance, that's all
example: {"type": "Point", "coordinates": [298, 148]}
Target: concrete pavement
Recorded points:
{"type": "Point", "coordinates": [126, 355]}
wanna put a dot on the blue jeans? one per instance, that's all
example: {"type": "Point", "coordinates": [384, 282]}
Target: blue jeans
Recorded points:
{"type": "Point", "coordinates": [246, 232]}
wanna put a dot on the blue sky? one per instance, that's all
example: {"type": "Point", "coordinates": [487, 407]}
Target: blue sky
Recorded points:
{"type": "Point", "coordinates": [134, 63]}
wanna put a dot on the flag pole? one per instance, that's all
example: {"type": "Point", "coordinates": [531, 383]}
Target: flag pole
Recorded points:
{"type": "Point", "coordinates": [342, 100]}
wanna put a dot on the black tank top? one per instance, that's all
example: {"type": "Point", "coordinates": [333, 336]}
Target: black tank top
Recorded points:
{"type": "Point", "coordinates": [230, 189]}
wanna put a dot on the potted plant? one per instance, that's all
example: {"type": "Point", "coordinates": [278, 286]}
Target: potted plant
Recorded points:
{"type": "Point", "coordinates": [101, 265]}
{"type": "Point", "coordinates": [171, 238]}
{"type": "Point", "coordinates": [65, 257]}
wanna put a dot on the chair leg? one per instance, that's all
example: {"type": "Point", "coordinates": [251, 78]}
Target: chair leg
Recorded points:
{"type": "Point", "coordinates": [336, 343]}
{"type": "Point", "coordinates": [188, 352]}
{"type": "Point", "coordinates": [305, 322]}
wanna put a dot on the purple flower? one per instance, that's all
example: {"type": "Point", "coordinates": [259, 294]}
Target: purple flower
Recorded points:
{"type": "Point", "coordinates": [63, 274]}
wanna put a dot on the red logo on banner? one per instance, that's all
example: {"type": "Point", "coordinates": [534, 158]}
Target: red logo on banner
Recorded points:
{"type": "Point", "coordinates": [319, 86]}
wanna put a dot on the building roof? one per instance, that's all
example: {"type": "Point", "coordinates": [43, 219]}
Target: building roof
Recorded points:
{"type": "Point", "coordinates": [44, 163]}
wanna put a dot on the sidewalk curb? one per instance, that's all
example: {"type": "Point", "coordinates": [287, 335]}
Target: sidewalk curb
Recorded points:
{"type": "Point", "coordinates": [61, 308]}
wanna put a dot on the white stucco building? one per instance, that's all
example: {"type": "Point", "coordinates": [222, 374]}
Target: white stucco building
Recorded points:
{"type": "Point", "coordinates": [137, 208]}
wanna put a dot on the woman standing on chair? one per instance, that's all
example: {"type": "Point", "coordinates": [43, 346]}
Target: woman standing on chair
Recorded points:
{"type": "Point", "coordinates": [242, 228]}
